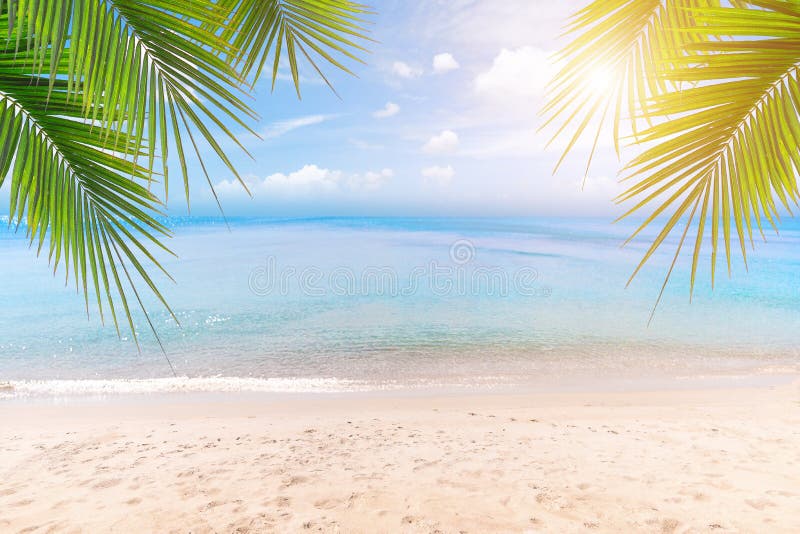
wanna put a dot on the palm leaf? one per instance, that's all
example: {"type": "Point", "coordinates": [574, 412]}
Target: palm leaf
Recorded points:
{"type": "Point", "coordinates": [92, 94]}
{"type": "Point", "coordinates": [717, 90]}
{"type": "Point", "coordinates": [73, 195]}
{"type": "Point", "coordinates": [121, 51]}
{"type": "Point", "coordinates": [620, 41]}
{"type": "Point", "coordinates": [261, 31]}
{"type": "Point", "coordinates": [733, 134]}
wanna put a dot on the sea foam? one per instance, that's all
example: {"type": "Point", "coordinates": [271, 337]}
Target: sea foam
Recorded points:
{"type": "Point", "coordinates": [67, 388]}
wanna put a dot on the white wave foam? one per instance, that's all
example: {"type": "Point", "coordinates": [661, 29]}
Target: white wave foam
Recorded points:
{"type": "Point", "coordinates": [58, 388]}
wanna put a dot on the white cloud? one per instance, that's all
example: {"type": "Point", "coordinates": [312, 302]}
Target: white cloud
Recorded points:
{"type": "Point", "coordinates": [365, 145]}
{"type": "Point", "coordinates": [404, 70]}
{"type": "Point", "coordinates": [279, 128]}
{"type": "Point", "coordinates": [370, 180]}
{"type": "Point", "coordinates": [308, 177]}
{"type": "Point", "coordinates": [447, 141]}
{"type": "Point", "coordinates": [438, 175]}
{"type": "Point", "coordinates": [444, 62]}
{"type": "Point", "coordinates": [520, 73]}
{"type": "Point", "coordinates": [387, 111]}
{"type": "Point", "coordinates": [306, 180]}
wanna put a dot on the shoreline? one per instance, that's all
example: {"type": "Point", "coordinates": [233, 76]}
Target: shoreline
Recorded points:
{"type": "Point", "coordinates": [714, 460]}
{"type": "Point", "coordinates": [80, 391]}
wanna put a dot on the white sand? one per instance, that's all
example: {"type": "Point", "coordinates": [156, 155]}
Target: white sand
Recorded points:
{"type": "Point", "coordinates": [703, 461]}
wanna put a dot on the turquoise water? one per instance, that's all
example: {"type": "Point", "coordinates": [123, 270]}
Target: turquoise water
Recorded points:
{"type": "Point", "coordinates": [360, 303]}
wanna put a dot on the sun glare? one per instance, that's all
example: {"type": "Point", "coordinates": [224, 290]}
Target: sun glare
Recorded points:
{"type": "Point", "coordinates": [600, 79]}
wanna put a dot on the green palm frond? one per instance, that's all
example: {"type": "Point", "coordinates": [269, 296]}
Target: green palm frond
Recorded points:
{"type": "Point", "coordinates": [721, 144]}
{"type": "Point", "coordinates": [89, 203]}
{"type": "Point", "coordinates": [93, 95]}
{"type": "Point", "coordinates": [79, 192]}
{"type": "Point", "coordinates": [151, 63]}
{"type": "Point", "coordinates": [261, 31]}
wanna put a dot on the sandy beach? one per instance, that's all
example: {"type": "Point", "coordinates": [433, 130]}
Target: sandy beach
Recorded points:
{"type": "Point", "coordinates": [671, 461]}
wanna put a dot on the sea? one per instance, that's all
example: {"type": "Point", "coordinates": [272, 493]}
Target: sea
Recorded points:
{"type": "Point", "coordinates": [338, 305]}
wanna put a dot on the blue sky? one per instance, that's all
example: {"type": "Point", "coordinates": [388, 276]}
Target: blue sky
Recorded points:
{"type": "Point", "coordinates": [441, 120]}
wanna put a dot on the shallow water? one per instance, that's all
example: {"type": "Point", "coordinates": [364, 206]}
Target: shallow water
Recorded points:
{"type": "Point", "coordinates": [359, 303]}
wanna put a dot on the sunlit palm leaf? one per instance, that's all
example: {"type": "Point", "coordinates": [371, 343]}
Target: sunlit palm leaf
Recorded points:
{"type": "Point", "coordinates": [728, 143]}
{"type": "Point", "coordinates": [719, 95]}
{"type": "Point", "coordinates": [620, 40]}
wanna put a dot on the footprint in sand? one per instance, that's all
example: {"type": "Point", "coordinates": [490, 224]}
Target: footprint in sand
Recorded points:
{"type": "Point", "coordinates": [283, 502]}
{"type": "Point", "coordinates": [668, 526]}
{"type": "Point", "coordinates": [327, 504]}
{"type": "Point", "coordinates": [210, 505]}
{"type": "Point", "coordinates": [759, 504]}
{"type": "Point", "coordinates": [105, 484]}
{"type": "Point", "coordinates": [293, 481]}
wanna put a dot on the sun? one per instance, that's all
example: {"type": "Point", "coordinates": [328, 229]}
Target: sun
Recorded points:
{"type": "Point", "coordinates": [600, 79]}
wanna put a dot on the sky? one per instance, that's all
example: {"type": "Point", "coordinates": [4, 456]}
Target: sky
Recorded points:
{"type": "Point", "coordinates": [441, 120]}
